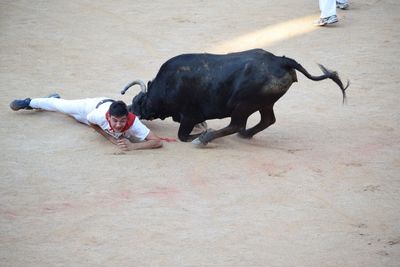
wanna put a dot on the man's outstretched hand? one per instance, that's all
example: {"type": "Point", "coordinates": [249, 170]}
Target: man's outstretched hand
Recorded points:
{"type": "Point", "coordinates": [123, 144]}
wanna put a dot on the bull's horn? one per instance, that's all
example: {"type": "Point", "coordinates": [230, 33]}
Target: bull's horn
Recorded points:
{"type": "Point", "coordinates": [141, 83]}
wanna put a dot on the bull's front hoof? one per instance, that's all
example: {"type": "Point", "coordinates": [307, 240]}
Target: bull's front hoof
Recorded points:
{"type": "Point", "coordinates": [244, 135]}
{"type": "Point", "coordinates": [197, 142]}
{"type": "Point", "coordinates": [201, 140]}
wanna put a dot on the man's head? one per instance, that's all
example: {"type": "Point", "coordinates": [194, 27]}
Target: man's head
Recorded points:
{"type": "Point", "coordinates": [118, 113]}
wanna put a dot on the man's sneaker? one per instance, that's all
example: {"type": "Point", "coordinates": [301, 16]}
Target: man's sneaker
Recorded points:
{"type": "Point", "coordinates": [342, 5]}
{"type": "Point", "coordinates": [20, 104]}
{"type": "Point", "coordinates": [328, 20]}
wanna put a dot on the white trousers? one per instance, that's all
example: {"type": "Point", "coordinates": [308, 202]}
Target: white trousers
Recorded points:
{"type": "Point", "coordinates": [327, 7]}
{"type": "Point", "coordinates": [79, 109]}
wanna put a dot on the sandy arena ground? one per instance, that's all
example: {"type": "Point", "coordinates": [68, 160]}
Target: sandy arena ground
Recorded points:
{"type": "Point", "coordinates": [318, 188]}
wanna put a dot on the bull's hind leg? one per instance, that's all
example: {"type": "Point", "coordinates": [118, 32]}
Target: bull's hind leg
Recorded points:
{"type": "Point", "coordinates": [238, 122]}
{"type": "Point", "coordinates": [267, 119]}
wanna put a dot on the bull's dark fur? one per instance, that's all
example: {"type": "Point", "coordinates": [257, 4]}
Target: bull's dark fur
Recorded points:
{"type": "Point", "coordinates": [193, 88]}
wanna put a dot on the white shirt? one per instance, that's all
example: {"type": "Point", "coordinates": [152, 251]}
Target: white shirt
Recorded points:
{"type": "Point", "coordinates": [98, 116]}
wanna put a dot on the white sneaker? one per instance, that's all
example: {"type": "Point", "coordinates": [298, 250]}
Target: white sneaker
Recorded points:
{"type": "Point", "coordinates": [342, 5]}
{"type": "Point", "coordinates": [328, 20]}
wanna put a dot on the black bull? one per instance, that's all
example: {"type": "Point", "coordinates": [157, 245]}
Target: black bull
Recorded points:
{"type": "Point", "coordinates": [193, 88]}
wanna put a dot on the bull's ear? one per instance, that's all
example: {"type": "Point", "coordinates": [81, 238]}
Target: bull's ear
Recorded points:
{"type": "Point", "coordinates": [148, 84]}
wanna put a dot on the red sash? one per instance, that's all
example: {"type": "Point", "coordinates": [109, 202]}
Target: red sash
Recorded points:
{"type": "Point", "coordinates": [129, 123]}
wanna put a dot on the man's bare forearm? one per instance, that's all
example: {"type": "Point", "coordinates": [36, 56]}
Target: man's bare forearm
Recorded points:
{"type": "Point", "coordinates": [149, 144]}
{"type": "Point", "coordinates": [125, 144]}
{"type": "Point", "coordinates": [107, 136]}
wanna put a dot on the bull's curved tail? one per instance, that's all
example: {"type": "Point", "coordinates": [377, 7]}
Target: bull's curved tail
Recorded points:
{"type": "Point", "coordinates": [328, 74]}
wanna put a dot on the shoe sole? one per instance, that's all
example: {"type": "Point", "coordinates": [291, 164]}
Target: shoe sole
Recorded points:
{"type": "Point", "coordinates": [13, 107]}
{"type": "Point", "coordinates": [318, 23]}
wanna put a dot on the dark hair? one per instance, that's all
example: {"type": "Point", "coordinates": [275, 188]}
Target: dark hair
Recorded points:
{"type": "Point", "coordinates": [118, 109]}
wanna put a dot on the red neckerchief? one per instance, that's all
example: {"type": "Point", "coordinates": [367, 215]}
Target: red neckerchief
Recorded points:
{"type": "Point", "coordinates": [129, 123]}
